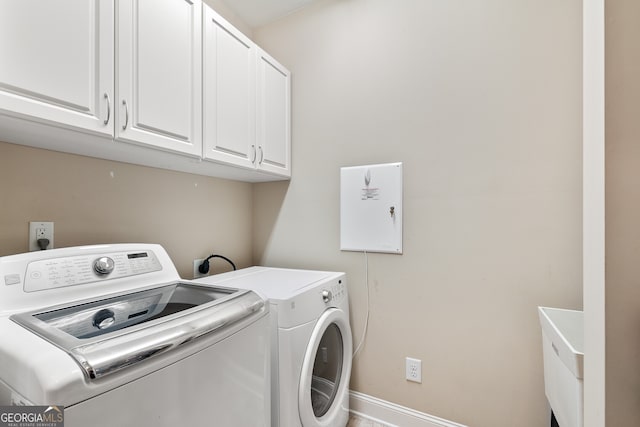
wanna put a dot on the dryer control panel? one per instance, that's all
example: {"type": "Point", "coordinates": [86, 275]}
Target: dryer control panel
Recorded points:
{"type": "Point", "coordinates": [334, 292]}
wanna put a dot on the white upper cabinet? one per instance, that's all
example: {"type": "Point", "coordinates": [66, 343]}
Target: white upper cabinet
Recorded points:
{"type": "Point", "coordinates": [229, 83]}
{"type": "Point", "coordinates": [162, 83]}
{"type": "Point", "coordinates": [56, 62]}
{"type": "Point", "coordinates": [159, 74]}
{"type": "Point", "coordinates": [247, 101]}
{"type": "Point", "coordinates": [273, 116]}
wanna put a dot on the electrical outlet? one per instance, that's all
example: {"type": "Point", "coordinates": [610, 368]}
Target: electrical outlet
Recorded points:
{"type": "Point", "coordinates": [40, 230]}
{"type": "Point", "coordinates": [196, 272]}
{"type": "Point", "coordinates": [413, 370]}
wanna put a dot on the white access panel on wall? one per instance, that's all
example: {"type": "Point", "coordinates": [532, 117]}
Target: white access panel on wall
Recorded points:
{"type": "Point", "coordinates": [371, 208]}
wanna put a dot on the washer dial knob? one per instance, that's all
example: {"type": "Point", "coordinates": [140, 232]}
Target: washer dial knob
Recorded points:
{"type": "Point", "coordinates": [326, 295]}
{"type": "Point", "coordinates": [103, 265]}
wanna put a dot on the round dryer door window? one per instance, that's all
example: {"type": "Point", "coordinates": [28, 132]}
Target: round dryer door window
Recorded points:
{"type": "Point", "coordinates": [327, 368]}
{"type": "Point", "coordinates": [323, 395]}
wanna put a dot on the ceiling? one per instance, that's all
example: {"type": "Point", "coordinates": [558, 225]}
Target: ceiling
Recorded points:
{"type": "Point", "coordinates": [257, 13]}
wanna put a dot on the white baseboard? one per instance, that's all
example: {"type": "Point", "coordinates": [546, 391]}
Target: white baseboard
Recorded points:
{"type": "Point", "coordinates": [392, 415]}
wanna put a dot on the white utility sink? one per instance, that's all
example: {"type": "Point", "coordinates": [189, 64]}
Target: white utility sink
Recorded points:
{"type": "Point", "coordinates": [563, 353]}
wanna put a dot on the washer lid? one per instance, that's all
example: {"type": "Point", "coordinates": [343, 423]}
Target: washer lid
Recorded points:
{"type": "Point", "coordinates": [110, 334]}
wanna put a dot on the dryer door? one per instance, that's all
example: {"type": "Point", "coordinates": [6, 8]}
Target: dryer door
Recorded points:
{"type": "Point", "coordinates": [323, 395]}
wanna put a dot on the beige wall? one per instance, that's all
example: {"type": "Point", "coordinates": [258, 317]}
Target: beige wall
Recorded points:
{"type": "Point", "coordinates": [622, 86]}
{"type": "Point", "coordinates": [222, 7]}
{"type": "Point", "coordinates": [95, 201]}
{"type": "Point", "coordinates": [482, 103]}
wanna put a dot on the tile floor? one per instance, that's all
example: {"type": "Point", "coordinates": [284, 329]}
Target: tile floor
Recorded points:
{"type": "Point", "coordinates": [355, 421]}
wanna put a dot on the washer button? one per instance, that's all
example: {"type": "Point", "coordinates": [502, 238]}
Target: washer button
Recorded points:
{"type": "Point", "coordinates": [11, 279]}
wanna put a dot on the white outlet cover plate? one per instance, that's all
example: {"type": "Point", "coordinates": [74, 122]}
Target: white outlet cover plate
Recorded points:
{"type": "Point", "coordinates": [413, 370]}
{"type": "Point", "coordinates": [196, 265]}
{"type": "Point", "coordinates": [33, 241]}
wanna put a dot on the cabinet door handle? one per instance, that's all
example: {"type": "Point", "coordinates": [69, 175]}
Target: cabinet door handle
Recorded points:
{"type": "Point", "coordinates": [261, 154]}
{"type": "Point", "coordinates": [255, 153]}
{"type": "Point", "coordinates": [106, 121]}
{"type": "Point", "coordinates": [126, 114]}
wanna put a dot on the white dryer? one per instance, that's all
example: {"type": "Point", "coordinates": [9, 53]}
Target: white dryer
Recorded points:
{"type": "Point", "coordinates": [311, 342]}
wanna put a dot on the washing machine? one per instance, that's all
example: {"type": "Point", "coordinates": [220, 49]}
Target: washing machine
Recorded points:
{"type": "Point", "coordinates": [113, 335]}
{"type": "Point", "coordinates": [311, 342]}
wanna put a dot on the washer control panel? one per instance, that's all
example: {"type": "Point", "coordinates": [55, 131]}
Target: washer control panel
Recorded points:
{"type": "Point", "coordinates": [78, 270]}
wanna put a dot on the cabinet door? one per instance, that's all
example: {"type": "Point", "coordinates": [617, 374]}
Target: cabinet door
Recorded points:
{"type": "Point", "coordinates": [159, 74]}
{"type": "Point", "coordinates": [229, 93]}
{"type": "Point", "coordinates": [273, 116]}
{"type": "Point", "coordinates": [56, 62]}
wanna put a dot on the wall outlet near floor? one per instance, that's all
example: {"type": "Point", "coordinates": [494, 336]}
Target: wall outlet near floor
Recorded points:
{"type": "Point", "coordinates": [413, 370]}
{"type": "Point", "coordinates": [40, 230]}
{"type": "Point", "coordinates": [196, 272]}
